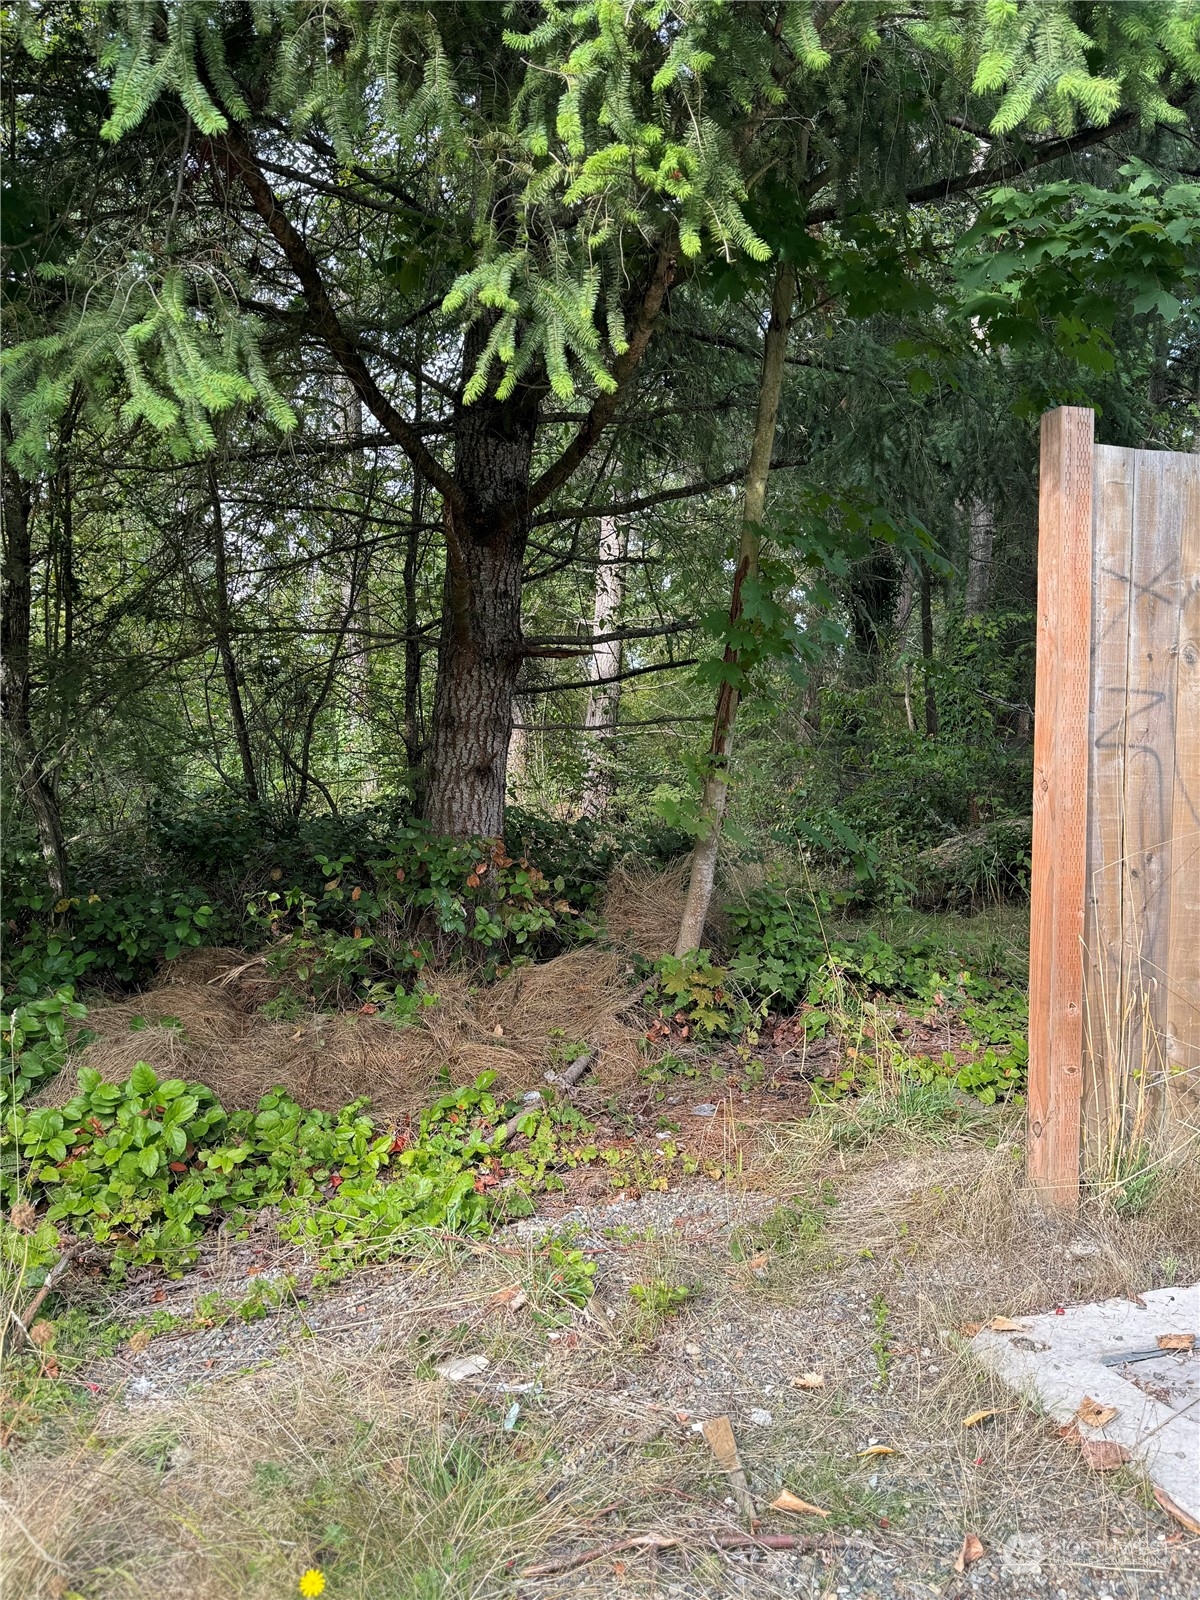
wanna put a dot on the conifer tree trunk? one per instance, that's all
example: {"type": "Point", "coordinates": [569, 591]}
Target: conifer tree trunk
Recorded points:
{"type": "Point", "coordinates": [604, 698]}
{"type": "Point", "coordinates": [479, 647]}
{"type": "Point", "coordinates": [981, 534]}
{"type": "Point", "coordinates": [15, 628]}
{"type": "Point", "coordinates": [221, 634]}
{"type": "Point", "coordinates": [931, 713]}
{"type": "Point", "coordinates": [716, 783]}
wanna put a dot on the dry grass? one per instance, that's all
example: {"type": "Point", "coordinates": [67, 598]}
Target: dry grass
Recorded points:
{"type": "Point", "coordinates": [512, 1028]}
{"type": "Point", "coordinates": [411, 1490]}
{"type": "Point", "coordinates": [641, 909]}
{"type": "Point", "coordinates": [345, 1455]}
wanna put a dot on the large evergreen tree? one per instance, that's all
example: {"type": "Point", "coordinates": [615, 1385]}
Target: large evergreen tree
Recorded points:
{"type": "Point", "coordinates": [484, 216]}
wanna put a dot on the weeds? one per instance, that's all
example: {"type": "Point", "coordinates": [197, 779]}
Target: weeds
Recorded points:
{"type": "Point", "coordinates": [881, 1344]}
{"type": "Point", "coordinates": [655, 1303]}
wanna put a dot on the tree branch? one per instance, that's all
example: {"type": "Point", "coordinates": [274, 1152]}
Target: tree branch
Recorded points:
{"type": "Point", "coordinates": [1032, 156]}
{"type": "Point", "coordinates": [617, 677]}
{"type": "Point", "coordinates": [687, 491]}
{"type": "Point", "coordinates": [328, 324]}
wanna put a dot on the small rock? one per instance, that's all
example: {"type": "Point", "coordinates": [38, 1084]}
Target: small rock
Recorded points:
{"type": "Point", "coordinates": [704, 1111]}
{"type": "Point", "coordinates": [759, 1417]}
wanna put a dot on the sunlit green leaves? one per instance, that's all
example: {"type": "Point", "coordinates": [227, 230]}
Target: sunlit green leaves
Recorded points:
{"type": "Point", "coordinates": [1059, 263]}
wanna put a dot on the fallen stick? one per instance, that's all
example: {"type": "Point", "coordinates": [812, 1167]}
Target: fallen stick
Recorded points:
{"type": "Point", "coordinates": [23, 1320]}
{"type": "Point", "coordinates": [52, 1277]}
{"type": "Point", "coordinates": [566, 1079]}
{"type": "Point", "coordinates": [663, 1541]}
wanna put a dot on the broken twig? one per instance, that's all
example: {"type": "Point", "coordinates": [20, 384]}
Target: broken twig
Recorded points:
{"type": "Point", "coordinates": [566, 1079]}
{"type": "Point", "coordinates": [655, 1542]}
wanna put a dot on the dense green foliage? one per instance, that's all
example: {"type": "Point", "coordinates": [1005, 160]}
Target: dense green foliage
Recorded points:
{"type": "Point", "coordinates": [147, 1167]}
{"type": "Point", "coordinates": [379, 381]}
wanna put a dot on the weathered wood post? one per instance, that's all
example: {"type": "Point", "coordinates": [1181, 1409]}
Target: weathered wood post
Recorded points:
{"type": "Point", "coordinates": [1060, 770]}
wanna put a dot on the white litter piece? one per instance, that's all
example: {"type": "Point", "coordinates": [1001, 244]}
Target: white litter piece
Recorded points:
{"type": "Point", "coordinates": [1102, 1351]}
{"type": "Point", "coordinates": [459, 1368]}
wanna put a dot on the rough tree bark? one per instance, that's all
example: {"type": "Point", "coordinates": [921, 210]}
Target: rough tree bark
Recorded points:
{"type": "Point", "coordinates": [931, 714]}
{"type": "Point", "coordinates": [604, 699]}
{"type": "Point", "coordinates": [414, 742]}
{"type": "Point", "coordinates": [480, 646]}
{"type": "Point", "coordinates": [488, 500]}
{"type": "Point", "coordinates": [716, 783]}
{"type": "Point", "coordinates": [981, 534]}
{"type": "Point", "coordinates": [33, 778]}
{"type": "Point", "coordinates": [220, 624]}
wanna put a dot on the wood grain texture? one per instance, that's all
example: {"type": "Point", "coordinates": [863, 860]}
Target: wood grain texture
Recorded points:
{"type": "Point", "coordinates": [1182, 1025]}
{"type": "Point", "coordinates": [1141, 989]}
{"type": "Point", "coordinates": [1105, 999]}
{"type": "Point", "coordinates": [1060, 772]}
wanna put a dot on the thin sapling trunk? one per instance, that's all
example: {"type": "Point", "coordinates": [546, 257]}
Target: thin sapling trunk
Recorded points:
{"type": "Point", "coordinates": [716, 782]}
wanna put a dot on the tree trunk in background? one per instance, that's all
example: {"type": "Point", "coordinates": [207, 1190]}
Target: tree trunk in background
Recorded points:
{"type": "Point", "coordinates": [15, 627]}
{"type": "Point", "coordinates": [604, 698]}
{"type": "Point", "coordinates": [931, 716]}
{"type": "Point", "coordinates": [221, 634]}
{"type": "Point", "coordinates": [716, 783]}
{"type": "Point", "coordinates": [981, 535]}
{"type": "Point", "coordinates": [873, 591]}
{"type": "Point", "coordinates": [479, 646]}
{"type": "Point", "coordinates": [414, 742]}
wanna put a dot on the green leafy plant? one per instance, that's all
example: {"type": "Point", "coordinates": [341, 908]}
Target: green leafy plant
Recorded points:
{"type": "Point", "coordinates": [36, 1036]}
{"type": "Point", "coordinates": [695, 992]}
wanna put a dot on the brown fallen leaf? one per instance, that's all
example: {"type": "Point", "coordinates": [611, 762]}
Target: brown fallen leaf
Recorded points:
{"type": "Point", "coordinates": [1176, 1341]}
{"type": "Point", "coordinates": [511, 1299]}
{"type": "Point", "coordinates": [1103, 1455]}
{"type": "Point", "coordinates": [1093, 1413]}
{"type": "Point", "coordinates": [785, 1500]}
{"type": "Point", "coordinates": [758, 1263]}
{"type": "Point", "coordinates": [976, 1417]}
{"type": "Point", "coordinates": [970, 1329]}
{"type": "Point", "coordinates": [972, 1549]}
{"type": "Point", "coordinates": [877, 1450]}
{"type": "Point", "coordinates": [1005, 1325]}
{"type": "Point", "coordinates": [808, 1380]}
{"type": "Point", "coordinates": [718, 1434]}
{"type": "Point", "coordinates": [1176, 1511]}
{"type": "Point", "coordinates": [138, 1342]}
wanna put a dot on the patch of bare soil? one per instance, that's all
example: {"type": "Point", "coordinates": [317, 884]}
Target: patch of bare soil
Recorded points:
{"type": "Point", "coordinates": [456, 1426]}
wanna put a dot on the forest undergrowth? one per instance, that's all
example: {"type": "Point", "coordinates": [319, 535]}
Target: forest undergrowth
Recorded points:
{"type": "Point", "coordinates": [818, 1100]}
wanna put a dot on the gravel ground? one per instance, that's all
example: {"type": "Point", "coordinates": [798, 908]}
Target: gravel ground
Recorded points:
{"type": "Point", "coordinates": [856, 1303]}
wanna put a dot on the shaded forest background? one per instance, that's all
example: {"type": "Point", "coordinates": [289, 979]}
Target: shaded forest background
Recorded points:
{"type": "Point", "coordinates": [226, 581]}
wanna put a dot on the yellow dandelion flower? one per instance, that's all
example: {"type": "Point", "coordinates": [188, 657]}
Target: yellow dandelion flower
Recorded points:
{"type": "Point", "coordinates": [312, 1583]}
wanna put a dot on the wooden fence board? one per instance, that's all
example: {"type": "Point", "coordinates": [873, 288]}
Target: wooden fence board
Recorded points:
{"type": "Point", "coordinates": [1104, 930]}
{"type": "Point", "coordinates": [1060, 767]}
{"type": "Point", "coordinates": [1121, 935]}
{"type": "Point", "coordinates": [1182, 1033]}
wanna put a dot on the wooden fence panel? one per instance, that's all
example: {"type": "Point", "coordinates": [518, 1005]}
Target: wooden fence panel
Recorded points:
{"type": "Point", "coordinates": [1134, 749]}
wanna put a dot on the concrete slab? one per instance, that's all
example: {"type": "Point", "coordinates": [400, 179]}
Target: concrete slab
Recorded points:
{"type": "Point", "coordinates": [1109, 1352]}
